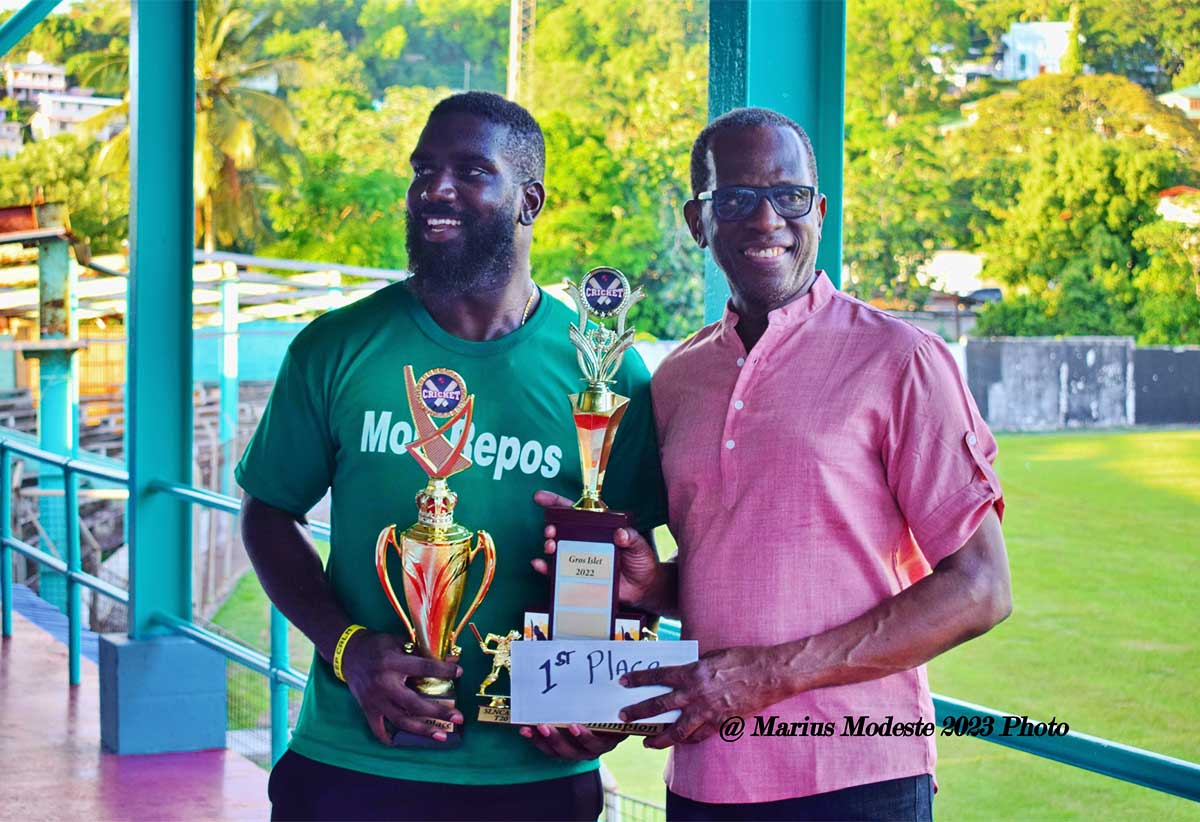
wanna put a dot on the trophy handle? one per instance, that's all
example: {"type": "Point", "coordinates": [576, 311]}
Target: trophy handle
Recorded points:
{"type": "Point", "coordinates": [388, 535]}
{"type": "Point", "coordinates": [482, 540]}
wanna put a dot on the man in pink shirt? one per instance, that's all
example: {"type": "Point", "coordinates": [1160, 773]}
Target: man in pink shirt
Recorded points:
{"type": "Point", "coordinates": [831, 489]}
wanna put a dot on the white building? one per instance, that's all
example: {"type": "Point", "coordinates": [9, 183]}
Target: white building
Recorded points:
{"type": "Point", "coordinates": [954, 272]}
{"type": "Point", "coordinates": [1186, 100]}
{"type": "Point", "coordinates": [10, 136]}
{"type": "Point", "coordinates": [1180, 204]}
{"type": "Point", "coordinates": [1031, 49]}
{"type": "Point", "coordinates": [62, 113]}
{"type": "Point", "coordinates": [25, 81]}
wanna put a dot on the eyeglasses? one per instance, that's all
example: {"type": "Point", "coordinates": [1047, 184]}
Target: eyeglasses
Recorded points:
{"type": "Point", "coordinates": [739, 202]}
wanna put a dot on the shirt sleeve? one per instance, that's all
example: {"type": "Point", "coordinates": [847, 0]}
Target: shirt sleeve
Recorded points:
{"type": "Point", "coordinates": [289, 461]}
{"type": "Point", "coordinates": [633, 481]}
{"type": "Point", "coordinates": [938, 453]}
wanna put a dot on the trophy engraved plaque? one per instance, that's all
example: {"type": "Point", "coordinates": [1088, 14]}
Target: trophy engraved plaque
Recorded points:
{"type": "Point", "coordinates": [435, 553]}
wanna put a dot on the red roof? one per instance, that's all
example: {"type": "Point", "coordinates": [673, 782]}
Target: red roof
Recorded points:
{"type": "Point", "coordinates": [1176, 191]}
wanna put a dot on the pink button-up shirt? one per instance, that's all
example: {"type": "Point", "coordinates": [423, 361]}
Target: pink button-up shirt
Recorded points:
{"type": "Point", "coordinates": [809, 479]}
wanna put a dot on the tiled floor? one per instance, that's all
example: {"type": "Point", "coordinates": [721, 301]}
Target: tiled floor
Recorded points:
{"type": "Point", "coordinates": [52, 766]}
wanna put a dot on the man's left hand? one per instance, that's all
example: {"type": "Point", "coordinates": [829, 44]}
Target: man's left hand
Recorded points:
{"type": "Point", "coordinates": [573, 743]}
{"type": "Point", "coordinates": [729, 682]}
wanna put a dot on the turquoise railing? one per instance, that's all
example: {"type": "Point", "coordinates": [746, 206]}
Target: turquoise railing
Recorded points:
{"type": "Point", "coordinates": [1112, 759]}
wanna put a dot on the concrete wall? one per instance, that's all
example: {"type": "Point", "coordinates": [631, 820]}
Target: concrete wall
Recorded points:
{"type": "Point", "coordinates": [1044, 383]}
{"type": "Point", "coordinates": [1167, 385]}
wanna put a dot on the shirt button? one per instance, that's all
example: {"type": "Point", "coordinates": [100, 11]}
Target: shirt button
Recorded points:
{"type": "Point", "coordinates": [741, 361]}
{"type": "Point", "coordinates": [739, 405]}
{"type": "Point", "coordinates": [729, 444]}
{"type": "Point", "coordinates": [971, 440]}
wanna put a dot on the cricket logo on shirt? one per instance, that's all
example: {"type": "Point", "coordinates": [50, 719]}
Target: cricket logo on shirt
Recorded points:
{"type": "Point", "coordinates": [442, 391]}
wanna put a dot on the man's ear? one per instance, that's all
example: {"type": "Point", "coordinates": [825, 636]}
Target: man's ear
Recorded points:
{"type": "Point", "coordinates": [691, 214]}
{"type": "Point", "coordinates": [533, 197]}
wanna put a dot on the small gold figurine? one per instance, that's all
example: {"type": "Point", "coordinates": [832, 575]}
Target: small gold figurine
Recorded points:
{"type": "Point", "coordinates": [501, 659]}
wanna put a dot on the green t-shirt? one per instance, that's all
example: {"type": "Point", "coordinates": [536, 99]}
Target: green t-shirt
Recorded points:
{"type": "Point", "coordinates": [338, 418]}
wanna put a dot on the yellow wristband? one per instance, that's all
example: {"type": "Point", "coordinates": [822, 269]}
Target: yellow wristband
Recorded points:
{"type": "Point", "coordinates": [341, 649]}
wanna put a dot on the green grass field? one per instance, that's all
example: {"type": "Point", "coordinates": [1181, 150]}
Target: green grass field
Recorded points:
{"type": "Point", "coordinates": [1103, 536]}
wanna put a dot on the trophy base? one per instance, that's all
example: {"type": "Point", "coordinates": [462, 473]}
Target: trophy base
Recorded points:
{"type": "Point", "coordinates": [501, 715]}
{"type": "Point", "coordinates": [454, 736]}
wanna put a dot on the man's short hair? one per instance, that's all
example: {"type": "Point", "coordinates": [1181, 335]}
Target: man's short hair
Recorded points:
{"type": "Point", "coordinates": [742, 118]}
{"type": "Point", "coordinates": [525, 145]}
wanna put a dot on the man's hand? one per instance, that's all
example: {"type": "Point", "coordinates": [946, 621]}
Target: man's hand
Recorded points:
{"type": "Point", "coordinates": [573, 743]}
{"type": "Point", "coordinates": [729, 682]}
{"type": "Point", "coordinates": [639, 561]}
{"type": "Point", "coordinates": [377, 670]}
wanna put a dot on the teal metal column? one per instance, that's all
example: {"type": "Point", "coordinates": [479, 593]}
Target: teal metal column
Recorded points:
{"type": "Point", "coordinates": [6, 554]}
{"type": "Point", "coordinates": [280, 732]}
{"type": "Point", "coordinates": [23, 22]}
{"type": "Point", "coordinates": [159, 395]}
{"type": "Point", "coordinates": [228, 356]}
{"type": "Point", "coordinates": [58, 402]}
{"type": "Point", "coordinates": [748, 40]}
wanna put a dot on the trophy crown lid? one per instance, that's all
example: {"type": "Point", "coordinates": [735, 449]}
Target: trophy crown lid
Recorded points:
{"type": "Point", "coordinates": [435, 504]}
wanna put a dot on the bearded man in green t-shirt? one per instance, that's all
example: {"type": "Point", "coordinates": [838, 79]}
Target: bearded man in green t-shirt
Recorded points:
{"type": "Point", "coordinates": [338, 421]}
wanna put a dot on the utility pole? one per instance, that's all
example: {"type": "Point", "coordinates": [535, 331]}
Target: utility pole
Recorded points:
{"type": "Point", "coordinates": [522, 20]}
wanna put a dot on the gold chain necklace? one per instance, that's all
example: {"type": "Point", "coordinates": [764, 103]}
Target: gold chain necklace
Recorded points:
{"type": "Point", "coordinates": [529, 305]}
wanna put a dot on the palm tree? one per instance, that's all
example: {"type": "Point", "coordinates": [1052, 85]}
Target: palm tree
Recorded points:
{"type": "Point", "coordinates": [241, 129]}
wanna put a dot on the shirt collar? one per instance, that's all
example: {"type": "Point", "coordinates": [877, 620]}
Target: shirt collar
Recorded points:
{"type": "Point", "coordinates": [792, 314]}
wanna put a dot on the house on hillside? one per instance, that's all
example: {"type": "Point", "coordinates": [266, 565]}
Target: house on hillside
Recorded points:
{"type": "Point", "coordinates": [1031, 49]}
{"type": "Point", "coordinates": [1180, 204]}
{"type": "Point", "coordinates": [62, 113]}
{"type": "Point", "coordinates": [10, 136]}
{"type": "Point", "coordinates": [1186, 100]}
{"type": "Point", "coordinates": [24, 82]}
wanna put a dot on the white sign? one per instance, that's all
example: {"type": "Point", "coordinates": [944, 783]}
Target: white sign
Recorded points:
{"type": "Point", "coordinates": [557, 682]}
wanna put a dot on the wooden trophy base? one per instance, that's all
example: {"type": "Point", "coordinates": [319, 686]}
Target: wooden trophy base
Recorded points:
{"type": "Point", "coordinates": [454, 735]}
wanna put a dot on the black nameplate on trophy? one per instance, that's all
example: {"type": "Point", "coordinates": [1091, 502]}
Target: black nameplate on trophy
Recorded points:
{"type": "Point", "coordinates": [454, 733]}
{"type": "Point", "coordinates": [585, 573]}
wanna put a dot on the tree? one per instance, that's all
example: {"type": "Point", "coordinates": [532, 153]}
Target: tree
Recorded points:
{"type": "Point", "coordinates": [1065, 171]}
{"type": "Point", "coordinates": [242, 131]}
{"type": "Point", "coordinates": [899, 202]}
{"type": "Point", "coordinates": [60, 170]}
{"type": "Point", "coordinates": [900, 208]}
{"type": "Point", "coordinates": [889, 72]}
{"type": "Point", "coordinates": [1168, 285]}
{"type": "Point", "coordinates": [617, 174]}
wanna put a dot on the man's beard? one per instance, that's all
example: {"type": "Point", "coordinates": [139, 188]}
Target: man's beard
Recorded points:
{"type": "Point", "coordinates": [482, 261]}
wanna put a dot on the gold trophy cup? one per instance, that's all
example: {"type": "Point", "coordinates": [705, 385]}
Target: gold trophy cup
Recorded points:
{"type": "Point", "coordinates": [435, 553]}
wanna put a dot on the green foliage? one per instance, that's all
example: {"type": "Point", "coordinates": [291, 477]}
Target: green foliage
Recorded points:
{"type": "Point", "coordinates": [81, 27]}
{"type": "Point", "coordinates": [1064, 172]}
{"type": "Point", "coordinates": [60, 170]}
{"type": "Point", "coordinates": [900, 206]}
{"type": "Point", "coordinates": [1168, 285]}
{"type": "Point", "coordinates": [888, 70]}
{"type": "Point", "coordinates": [617, 174]}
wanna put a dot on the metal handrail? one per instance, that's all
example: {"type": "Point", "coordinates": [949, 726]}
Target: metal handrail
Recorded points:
{"type": "Point", "coordinates": [242, 654]}
{"type": "Point", "coordinates": [1112, 759]}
